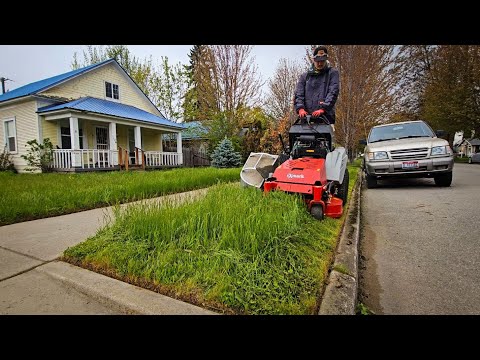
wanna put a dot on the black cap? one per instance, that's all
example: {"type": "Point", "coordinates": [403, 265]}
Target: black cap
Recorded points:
{"type": "Point", "coordinates": [320, 54]}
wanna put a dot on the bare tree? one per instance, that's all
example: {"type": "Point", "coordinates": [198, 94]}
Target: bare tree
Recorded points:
{"type": "Point", "coordinates": [279, 103]}
{"type": "Point", "coordinates": [415, 64]}
{"type": "Point", "coordinates": [235, 79]}
{"type": "Point", "coordinates": [227, 85]}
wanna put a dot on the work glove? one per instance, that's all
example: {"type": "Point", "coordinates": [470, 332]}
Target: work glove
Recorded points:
{"type": "Point", "coordinates": [317, 113]}
{"type": "Point", "coordinates": [302, 113]}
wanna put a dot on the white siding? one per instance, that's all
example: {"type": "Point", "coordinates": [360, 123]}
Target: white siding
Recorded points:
{"type": "Point", "coordinates": [93, 84]}
{"type": "Point", "coordinates": [26, 122]}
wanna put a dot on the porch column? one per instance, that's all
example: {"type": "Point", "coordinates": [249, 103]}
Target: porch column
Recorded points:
{"type": "Point", "coordinates": [161, 142]}
{"type": "Point", "coordinates": [112, 131]}
{"type": "Point", "coordinates": [179, 148]}
{"type": "Point", "coordinates": [138, 140]}
{"type": "Point", "coordinates": [75, 141]}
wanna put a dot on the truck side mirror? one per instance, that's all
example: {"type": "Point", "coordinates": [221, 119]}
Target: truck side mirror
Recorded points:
{"type": "Point", "coordinates": [363, 142]}
{"type": "Point", "coordinates": [439, 133]}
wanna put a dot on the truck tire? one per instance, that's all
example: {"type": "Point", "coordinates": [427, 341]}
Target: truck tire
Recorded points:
{"type": "Point", "coordinates": [371, 181]}
{"type": "Point", "coordinates": [444, 180]}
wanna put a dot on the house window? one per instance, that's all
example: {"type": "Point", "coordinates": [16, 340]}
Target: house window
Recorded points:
{"type": "Point", "coordinates": [67, 140]}
{"type": "Point", "coordinates": [10, 135]}
{"type": "Point", "coordinates": [112, 91]}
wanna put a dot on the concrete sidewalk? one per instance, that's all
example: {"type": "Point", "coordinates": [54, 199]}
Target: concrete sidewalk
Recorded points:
{"type": "Point", "coordinates": [33, 282]}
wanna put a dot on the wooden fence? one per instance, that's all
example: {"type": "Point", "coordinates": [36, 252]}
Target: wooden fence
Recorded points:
{"type": "Point", "coordinates": [194, 158]}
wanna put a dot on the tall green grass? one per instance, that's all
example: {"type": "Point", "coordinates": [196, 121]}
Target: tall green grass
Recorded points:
{"type": "Point", "coordinates": [236, 250]}
{"type": "Point", "coordinates": [32, 196]}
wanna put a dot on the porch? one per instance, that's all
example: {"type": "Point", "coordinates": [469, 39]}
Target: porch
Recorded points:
{"type": "Point", "coordinates": [87, 141]}
{"type": "Point", "coordinates": [69, 160]}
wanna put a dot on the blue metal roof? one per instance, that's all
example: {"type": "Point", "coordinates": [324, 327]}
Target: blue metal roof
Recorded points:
{"type": "Point", "coordinates": [194, 130]}
{"type": "Point", "coordinates": [106, 107]}
{"type": "Point", "coordinates": [38, 86]}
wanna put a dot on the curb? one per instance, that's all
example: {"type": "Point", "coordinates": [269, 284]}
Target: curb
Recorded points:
{"type": "Point", "coordinates": [340, 295]}
{"type": "Point", "coordinates": [118, 295]}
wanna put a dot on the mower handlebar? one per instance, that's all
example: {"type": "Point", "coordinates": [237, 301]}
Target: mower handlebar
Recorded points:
{"type": "Point", "coordinates": [308, 118]}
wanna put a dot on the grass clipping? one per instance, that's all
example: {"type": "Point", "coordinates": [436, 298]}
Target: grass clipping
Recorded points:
{"type": "Point", "coordinates": [237, 250]}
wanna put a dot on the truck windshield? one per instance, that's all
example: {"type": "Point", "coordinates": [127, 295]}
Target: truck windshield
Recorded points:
{"type": "Point", "coordinates": [400, 131]}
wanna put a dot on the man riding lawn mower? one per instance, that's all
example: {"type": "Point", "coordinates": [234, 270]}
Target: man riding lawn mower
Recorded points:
{"type": "Point", "coordinates": [313, 168]}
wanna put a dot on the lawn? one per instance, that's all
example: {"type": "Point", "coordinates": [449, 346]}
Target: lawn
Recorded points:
{"type": "Point", "coordinates": [461, 159]}
{"type": "Point", "coordinates": [33, 196]}
{"type": "Point", "coordinates": [236, 251]}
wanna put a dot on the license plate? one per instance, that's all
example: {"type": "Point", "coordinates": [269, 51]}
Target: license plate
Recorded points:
{"type": "Point", "coordinates": [410, 165]}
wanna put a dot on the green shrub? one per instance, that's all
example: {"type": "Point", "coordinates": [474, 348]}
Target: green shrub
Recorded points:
{"type": "Point", "coordinates": [6, 162]}
{"type": "Point", "coordinates": [39, 156]}
{"type": "Point", "coordinates": [225, 156]}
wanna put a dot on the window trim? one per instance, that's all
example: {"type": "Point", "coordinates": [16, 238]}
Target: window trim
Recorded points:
{"type": "Point", "coordinates": [5, 139]}
{"type": "Point", "coordinates": [81, 138]}
{"type": "Point", "coordinates": [105, 91]}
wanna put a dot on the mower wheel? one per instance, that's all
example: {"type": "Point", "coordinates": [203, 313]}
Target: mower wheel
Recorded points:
{"type": "Point", "coordinates": [371, 181]}
{"type": "Point", "coordinates": [342, 191]}
{"type": "Point", "coordinates": [317, 212]}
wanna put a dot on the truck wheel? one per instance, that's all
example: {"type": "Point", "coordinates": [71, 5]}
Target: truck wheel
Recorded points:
{"type": "Point", "coordinates": [317, 212]}
{"type": "Point", "coordinates": [342, 192]}
{"type": "Point", "coordinates": [443, 179]}
{"type": "Point", "coordinates": [371, 181]}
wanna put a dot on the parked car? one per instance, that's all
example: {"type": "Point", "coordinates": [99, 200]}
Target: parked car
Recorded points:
{"type": "Point", "coordinates": [474, 158]}
{"type": "Point", "coordinates": [407, 149]}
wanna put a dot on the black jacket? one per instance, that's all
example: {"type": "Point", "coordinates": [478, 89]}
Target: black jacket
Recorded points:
{"type": "Point", "coordinates": [312, 88]}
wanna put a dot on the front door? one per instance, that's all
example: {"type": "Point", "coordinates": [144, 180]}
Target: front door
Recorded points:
{"type": "Point", "coordinates": [101, 143]}
{"type": "Point", "coordinates": [131, 145]}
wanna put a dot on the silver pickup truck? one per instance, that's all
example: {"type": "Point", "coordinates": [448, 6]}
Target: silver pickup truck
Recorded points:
{"type": "Point", "coordinates": [406, 149]}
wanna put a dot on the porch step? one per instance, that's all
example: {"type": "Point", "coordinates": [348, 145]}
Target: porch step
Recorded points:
{"type": "Point", "coordinates": [133, 167]}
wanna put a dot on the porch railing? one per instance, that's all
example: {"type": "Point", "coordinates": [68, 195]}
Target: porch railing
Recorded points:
{"type": "Point", "coordinates": [64, 159]}
{"type": "Point", "coordinates": [84, 159]}
{"type": "Point", "coordinates": [159, 158]}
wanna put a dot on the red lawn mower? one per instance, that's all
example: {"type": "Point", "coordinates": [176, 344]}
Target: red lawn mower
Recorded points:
{"type": "Point", "coordinates": [313, 168]}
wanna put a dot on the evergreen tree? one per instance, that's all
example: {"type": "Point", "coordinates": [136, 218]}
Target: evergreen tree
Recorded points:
{"type": "Point", "coordinates": [198, 73]}
{"type": "Point", "coordinates": [225, 156]}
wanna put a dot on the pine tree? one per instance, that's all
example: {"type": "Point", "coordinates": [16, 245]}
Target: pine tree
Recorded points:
{"type": "Point", "coordinates": [225, 156]}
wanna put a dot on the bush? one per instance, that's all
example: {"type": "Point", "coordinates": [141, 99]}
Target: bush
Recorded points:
{"type": "Point", "coordinates": [6, 162]}
{"type": "Point", "coordinates": [39, 156]}
{"type": "Point", "coordinates": [225, 156]}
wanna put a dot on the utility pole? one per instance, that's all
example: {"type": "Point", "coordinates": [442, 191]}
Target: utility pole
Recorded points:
{"type": "Point", "coordinates": [2, 79]}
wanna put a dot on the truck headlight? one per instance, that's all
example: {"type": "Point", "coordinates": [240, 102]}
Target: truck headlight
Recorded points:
{"type": "Point", "coordinates": [439, 150]}
{"type": "Point", "coordinates": [378, 155]}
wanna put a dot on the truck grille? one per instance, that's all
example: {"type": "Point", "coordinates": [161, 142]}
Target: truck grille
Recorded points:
{"type": "Point", "coordinates": [409, 154]}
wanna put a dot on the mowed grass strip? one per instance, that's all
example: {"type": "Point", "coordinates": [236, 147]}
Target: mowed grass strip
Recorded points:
{"type": "Point", "coordinates": [32, 196]}
{"type": "Point", "coordinates": [236, 250]}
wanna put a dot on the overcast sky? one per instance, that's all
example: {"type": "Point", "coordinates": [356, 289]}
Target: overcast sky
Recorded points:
{"type": "Point", "coordinates": [28, 63]}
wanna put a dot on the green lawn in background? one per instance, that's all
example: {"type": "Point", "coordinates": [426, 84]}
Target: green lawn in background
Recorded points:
{"type": "Point", "coordinates": [32, 196]}
{"type": "Point", "coordinates": [237, 250]}
{"type": "Point", "coordinates": [461, 159]}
